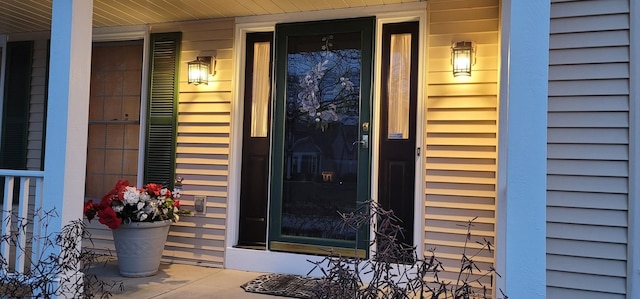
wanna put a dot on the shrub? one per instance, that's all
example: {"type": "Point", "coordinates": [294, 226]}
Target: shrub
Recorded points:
{"type": "Point", "coordinates": [396, 271]}
{"type": "Point", "coordinates": [69, 264]}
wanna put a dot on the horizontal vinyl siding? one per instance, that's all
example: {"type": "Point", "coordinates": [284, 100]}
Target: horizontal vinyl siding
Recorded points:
{"type": "Point", "coordinates": [37, 106]}
{"type": "Point", "coordinates": [588, 149]}
{"type": "Point", "coordinates": [204, 117]}
{"type": "Point", "coordinates": [461, 133]}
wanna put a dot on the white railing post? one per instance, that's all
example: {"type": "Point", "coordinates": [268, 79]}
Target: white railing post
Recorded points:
{"type": "Point", "coordinates": [36, 240]}
{"type": "Point", "coordinates": [22, 222]}
{"type": "Point", "coordinates": [15, 241]}
{"type": "Point", "coordinates": [5, 245]}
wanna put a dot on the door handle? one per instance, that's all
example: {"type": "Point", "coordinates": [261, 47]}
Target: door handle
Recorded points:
{"type": "Point", "coordinates": [364, 142]}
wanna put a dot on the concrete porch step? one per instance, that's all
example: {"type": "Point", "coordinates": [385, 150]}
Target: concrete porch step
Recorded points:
{"type": "Point", "coordinates": [181, 281]}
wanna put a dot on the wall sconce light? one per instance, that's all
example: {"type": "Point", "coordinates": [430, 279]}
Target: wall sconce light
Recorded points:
{"type": "Point", "coordinates": [200, 69]}
{"type": "Point", "coordinates": [463, 56]}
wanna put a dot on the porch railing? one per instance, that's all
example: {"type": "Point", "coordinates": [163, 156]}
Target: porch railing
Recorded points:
{"type": "Point", "coordinates": [20, 228]}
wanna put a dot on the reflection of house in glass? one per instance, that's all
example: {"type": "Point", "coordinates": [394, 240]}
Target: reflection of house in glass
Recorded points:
{"type": "Point", "coordinates": [319, 154]}
{"type": "Point", "coordinates": [303, 161]}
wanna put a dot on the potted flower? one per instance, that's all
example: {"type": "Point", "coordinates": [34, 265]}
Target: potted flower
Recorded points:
{"type": "Point", "coordinates": [139, 219]}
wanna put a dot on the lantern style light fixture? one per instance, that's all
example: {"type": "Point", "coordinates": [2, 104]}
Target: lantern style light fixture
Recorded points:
{"type": "Point", "coordinates": [463, 56]}
{"type": "Point", "coordinates": [200, 69]}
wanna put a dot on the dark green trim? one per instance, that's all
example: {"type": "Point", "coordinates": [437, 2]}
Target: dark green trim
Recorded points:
{"type": "Point", "coordinates": [162, 108]}
{"type": "Point", "coordinates": [366, 26]}
{"type": "Point", "coordinates": [15, 111]}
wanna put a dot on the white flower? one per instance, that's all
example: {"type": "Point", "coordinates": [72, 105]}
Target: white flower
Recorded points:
{"type": "Point", "coordinates": [150, 207]}
{"type": "Point", "coordinates": [145, 197]}
{"type": "Point", "coordinates": [142, 216]}
{"type": "Point", "coordinates": [346, 83]}
{"type": "Point", "coordinates": [308, 96]}
{"type": "Point", "coordinates": [117, 209]}
{"type": "Point", "coordinates": [163, 193]}
{"type": "Point", "coordinates": [131, 195]}
{"type": "Point", "coordinates": [330, 114]}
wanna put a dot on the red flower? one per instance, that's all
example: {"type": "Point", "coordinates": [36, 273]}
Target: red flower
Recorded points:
{"type": "Point", "coordinates": [120, 187]}
{"type": "Point", "coordinates": [108, 217]}
{"type": "Point", "coordinates": [106, 200]}
{"type": "Point", "coordinates": [153, 189]}
{"type": "Point", "coordinates": [90, 210]}
{"type": "Point", "coordinates": [111, 210]}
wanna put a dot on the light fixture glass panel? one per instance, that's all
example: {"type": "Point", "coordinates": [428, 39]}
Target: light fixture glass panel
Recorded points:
{"type": "Point", "coordinates": [261, 89]}
{"type": "Point", "coordinates": [399, 86]}
{"type": "Point", "coordinates": [198, 72]}
{"type": "Point", "coordinates": [462, 55]}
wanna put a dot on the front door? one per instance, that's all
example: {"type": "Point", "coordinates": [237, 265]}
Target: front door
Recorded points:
{"type": "Point", "coordinates": [321, 153]}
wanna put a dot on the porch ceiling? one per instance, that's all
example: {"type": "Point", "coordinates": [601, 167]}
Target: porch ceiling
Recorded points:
{"type": "Point", "coordinates": [35, 15]}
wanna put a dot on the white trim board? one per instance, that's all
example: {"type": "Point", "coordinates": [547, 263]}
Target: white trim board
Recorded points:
{"type": "Point", "coordinates": [633, 263]}
{"type": "Point", "coordinates": [380, 11]}
{"type": "Point", "coordinates": [121, 33]}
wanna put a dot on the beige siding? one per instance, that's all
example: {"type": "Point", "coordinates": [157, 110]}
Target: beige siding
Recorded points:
{"type": "Point", "coordinates": [588, 149]}
{"type": "Point", "coordinates": [37, 105]}
{"type": "Point", "coordinates": [204, 117]}
{"type": "Point", "coordinates": [461, 132]}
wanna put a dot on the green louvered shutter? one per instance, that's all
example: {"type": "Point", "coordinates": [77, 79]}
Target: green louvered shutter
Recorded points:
{"type": "Point", "coordinates": [15, 111]}
{"type": "Point", "coordinates": [162, 111]}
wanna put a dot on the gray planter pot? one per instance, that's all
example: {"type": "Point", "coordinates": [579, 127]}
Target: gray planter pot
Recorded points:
{"type": "Point", "coordinates": [139, 247]}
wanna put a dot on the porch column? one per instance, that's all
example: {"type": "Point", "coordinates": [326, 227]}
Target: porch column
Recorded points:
{"type": "Point", "coordinates": [521, 239]}
{"type": "Point", "coordinates": [68, 110]}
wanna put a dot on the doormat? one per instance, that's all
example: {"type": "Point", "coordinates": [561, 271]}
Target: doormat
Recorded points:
{"type": "Point", "coordinates": [284, 285]}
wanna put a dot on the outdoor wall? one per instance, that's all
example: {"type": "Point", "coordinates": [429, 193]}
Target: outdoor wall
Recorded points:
{"type": "Point", "coordinates": [204, 116]}
{"type": "Point", "coordinates": [588, 149]}
{"type": "Point", "coordinates": [37, 106]}
{"type": "Point", "coordinates": [461, 132]}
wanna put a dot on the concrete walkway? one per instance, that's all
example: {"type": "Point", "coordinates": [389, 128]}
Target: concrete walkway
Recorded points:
{"type": "Point", "coordinates": [181, 281]}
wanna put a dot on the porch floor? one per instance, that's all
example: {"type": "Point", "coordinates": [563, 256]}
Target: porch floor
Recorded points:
{"type": "Point", "coordinates": [181, 281]}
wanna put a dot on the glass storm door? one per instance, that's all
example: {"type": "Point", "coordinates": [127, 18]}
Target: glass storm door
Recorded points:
{"type": "Point", "coordinates": [321, 153]}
